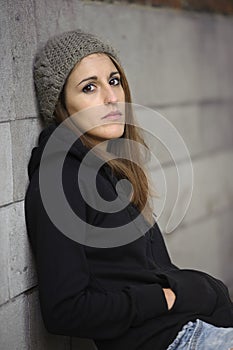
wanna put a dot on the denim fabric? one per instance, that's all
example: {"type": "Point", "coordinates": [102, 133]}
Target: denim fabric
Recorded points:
{"type": "Point", "coordinates": [200, 335]}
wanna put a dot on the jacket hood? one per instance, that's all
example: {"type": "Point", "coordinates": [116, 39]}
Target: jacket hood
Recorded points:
{"type": "Point", "coordinates": [61, 138]}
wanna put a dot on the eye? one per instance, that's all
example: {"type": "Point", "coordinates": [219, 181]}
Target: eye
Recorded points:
{"type": "Point", "coordinates": [88, 88]}
{"type": "Point", "coordinates": [115, 81]}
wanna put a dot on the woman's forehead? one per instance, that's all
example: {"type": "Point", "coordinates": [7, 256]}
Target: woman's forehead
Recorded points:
{"type": "Point", "coordinates": [95, 60]}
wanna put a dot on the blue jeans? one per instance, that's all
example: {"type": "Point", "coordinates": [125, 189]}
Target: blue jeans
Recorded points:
{"type": "Point", "coordinates": [200, 335]}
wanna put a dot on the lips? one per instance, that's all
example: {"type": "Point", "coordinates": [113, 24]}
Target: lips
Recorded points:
{"type": "Point", "coordinates": [113, 115]}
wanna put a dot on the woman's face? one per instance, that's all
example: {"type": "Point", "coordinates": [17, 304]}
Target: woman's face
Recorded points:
{"type": "Point", "coordinates": [92, 91]}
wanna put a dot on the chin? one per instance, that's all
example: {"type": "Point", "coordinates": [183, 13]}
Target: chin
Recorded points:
{"type": "Point", "coordinates": [114, 131]}
{"type": "Point", "coordinates": [111, 131]}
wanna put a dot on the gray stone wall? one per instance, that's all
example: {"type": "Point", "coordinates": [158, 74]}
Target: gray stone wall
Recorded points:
{"type": "Point", "coordinates": [178, 63]}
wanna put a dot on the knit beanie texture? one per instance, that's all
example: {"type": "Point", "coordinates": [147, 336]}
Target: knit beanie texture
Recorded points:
{"type": "Point", "coordinates": [56, 59]}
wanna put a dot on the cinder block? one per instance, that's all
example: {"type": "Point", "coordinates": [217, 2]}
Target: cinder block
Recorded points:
{"type": "Point", "coordinates": [24, 134]}
{"type": "Point", "coordinates": [23, 37]}
{"type": "Point", "coordinates": [165, 129]}
{"type": "Point", "coordinates": [17, 264]}
{"type": "Point", "coordinates": [6, 87]}
{"type": "Point", "coordinates": [6, 177]}
{"type": "Point", "coordinates": [4, 256]}
{"type": "Point", "coordinates": [212, 189]}
{"type": "Point", "coordinates": [206, 245]}
{"type": "Point", "coordinates": [224, 54]}
{"type": "Point", "coordinates": [22, 275]}
{"type": "Point", "coordinates": [203, 127]}
{"type": "Point", "coordinates": [53, 17]}
{"type": "Point", "coordinates": [14, 328]}
{"type": "Point", "coordinates": [182, 60]}
{"type": "Point", "coordinates": [169, 190]}
{"type": "Point", "coordinates": [176, 63]}
{"type": "Point", "coordinates": [215, 126]}
{"type": "Point", "coordinates": [39, 337]}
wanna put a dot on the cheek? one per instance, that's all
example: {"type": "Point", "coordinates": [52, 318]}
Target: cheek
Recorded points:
{"type": "Point", "coordinates": [76, 102]}
{"type": "Point", "coordinates": [108, 131]}
{"type": "Point", "coordinates": [122, 95]}
{"type": "Point", "coordinates": [83, 124]}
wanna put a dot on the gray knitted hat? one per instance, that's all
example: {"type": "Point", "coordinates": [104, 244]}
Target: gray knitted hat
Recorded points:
{"type": "Point", "coordinates": [56, 59]}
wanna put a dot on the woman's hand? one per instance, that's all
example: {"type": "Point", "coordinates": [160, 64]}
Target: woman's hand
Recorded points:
{"type": "Point", "coordinates": [170, 297]}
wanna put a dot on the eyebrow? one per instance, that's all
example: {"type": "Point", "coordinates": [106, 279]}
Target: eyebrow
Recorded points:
{"type": "Point", "coordinates": [95, 77]}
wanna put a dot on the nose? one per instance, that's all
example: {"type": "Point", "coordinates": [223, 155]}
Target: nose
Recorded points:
{"type": "Point", "coordinates": [110, 96]}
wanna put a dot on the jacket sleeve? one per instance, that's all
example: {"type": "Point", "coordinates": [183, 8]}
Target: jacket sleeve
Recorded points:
{"type": "Point", "coordinates": [196, 291]}
{"type": "Point", "coordinates": [159, 249]}
{"type": "Point", "coordinates": [71, 303]}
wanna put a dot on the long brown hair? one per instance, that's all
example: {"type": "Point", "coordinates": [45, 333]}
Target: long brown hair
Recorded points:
{"type": "Point", "coordinates": [122, 167]}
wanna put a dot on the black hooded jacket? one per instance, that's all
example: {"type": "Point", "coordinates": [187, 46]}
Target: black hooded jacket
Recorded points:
{"type": "Point", "coordinates": [111, 295]}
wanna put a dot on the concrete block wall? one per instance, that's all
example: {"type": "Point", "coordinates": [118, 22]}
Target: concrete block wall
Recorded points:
{"type": "Point", "coordinates": [212, 6]}
{"type": "Point", "coordinates": [178, 63]}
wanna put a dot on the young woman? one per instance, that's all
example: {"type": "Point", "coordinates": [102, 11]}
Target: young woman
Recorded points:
{"type": "Point", "coordinates": [97, 279]}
